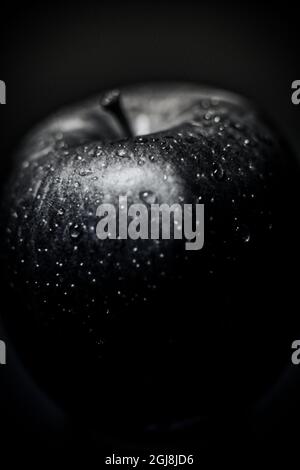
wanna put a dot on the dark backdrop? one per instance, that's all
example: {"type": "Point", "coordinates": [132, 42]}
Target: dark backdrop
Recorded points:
{"type": "Point", "coordinates": [54, 54]}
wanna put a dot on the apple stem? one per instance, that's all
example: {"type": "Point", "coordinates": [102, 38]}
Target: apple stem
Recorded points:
{"type": "Point", "coordinates": [111, 101]}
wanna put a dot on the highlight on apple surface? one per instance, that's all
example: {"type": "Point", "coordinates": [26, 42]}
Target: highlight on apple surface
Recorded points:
{"type": "Point", "coordinates": [153, 221]}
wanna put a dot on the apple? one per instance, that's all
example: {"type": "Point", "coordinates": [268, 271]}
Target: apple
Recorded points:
{"type": "Point", "coordinates": [143, 336]}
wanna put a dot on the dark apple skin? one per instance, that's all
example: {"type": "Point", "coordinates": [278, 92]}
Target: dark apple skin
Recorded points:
{"type": "Point", "coordinates": [141, 336]}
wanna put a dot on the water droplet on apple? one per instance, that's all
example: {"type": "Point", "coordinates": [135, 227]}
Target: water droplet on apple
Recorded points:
{"type": "Point", "coordinates": [85, 172]}
{"type": "Point", "coordinates": [238, 125]}
{"type": "Point", "coordinates": [121, 152]}
{"type": "Point", "coordinates": [218, 172]}
{"type": "Point", "coordinates": [148, 197]}
{"type": "Point", "coordinates": [75, 231]}
{"type": "Point", "coordinates": [243, 232]}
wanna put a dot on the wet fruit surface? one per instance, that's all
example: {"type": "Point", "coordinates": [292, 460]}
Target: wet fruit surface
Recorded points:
{"type": "Point", "coordinates": [143, 334]}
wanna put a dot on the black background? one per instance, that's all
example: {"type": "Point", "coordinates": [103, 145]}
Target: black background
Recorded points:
{"type": "Point", "coordinates": [52, 55]}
